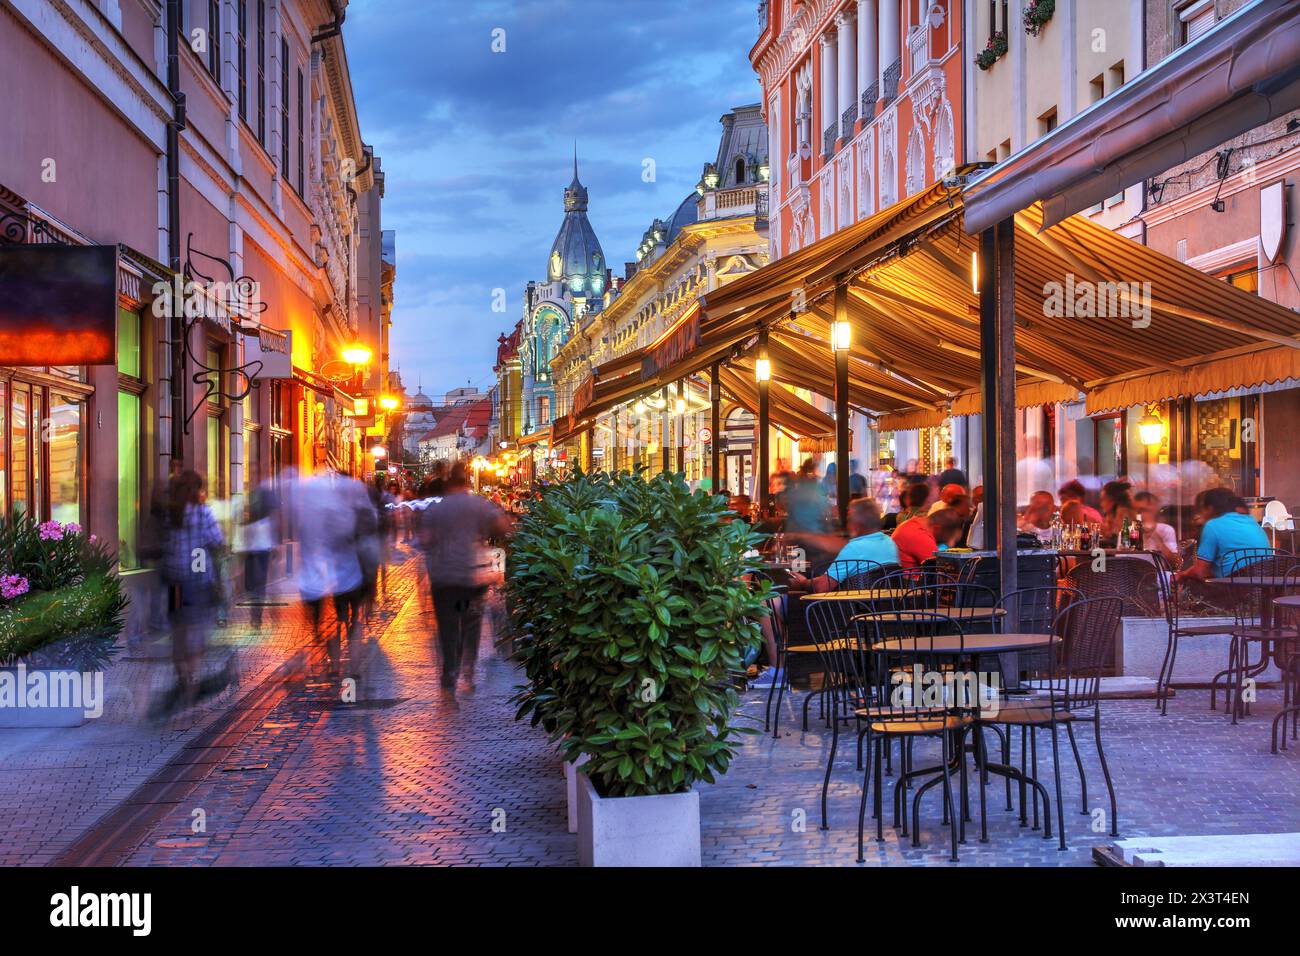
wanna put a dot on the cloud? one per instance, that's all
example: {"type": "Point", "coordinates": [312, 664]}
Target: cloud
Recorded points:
{"type": "Point", "coordinates": [477, 146]}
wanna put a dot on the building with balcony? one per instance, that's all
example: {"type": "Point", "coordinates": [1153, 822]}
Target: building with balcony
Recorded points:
{"type": "Point", "coordinates": [863, 102]}
{"type": "Point", "coordinates": [716, 234]}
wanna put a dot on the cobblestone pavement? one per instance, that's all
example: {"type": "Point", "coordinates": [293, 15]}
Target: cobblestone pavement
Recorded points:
{"type": "Point", "coordinates": [401, 776]}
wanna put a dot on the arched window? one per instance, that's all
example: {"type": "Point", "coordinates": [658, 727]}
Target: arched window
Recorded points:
{"type": "Point", "coordinates": [740, 170]}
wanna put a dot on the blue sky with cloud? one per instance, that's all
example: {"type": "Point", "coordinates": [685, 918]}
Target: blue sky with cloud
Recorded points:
{"type": "Point", "coordinates": [477, 146]}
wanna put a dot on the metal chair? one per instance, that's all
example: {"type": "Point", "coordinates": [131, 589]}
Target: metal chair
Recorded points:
{"type": "Point", "coordinates": [1290, 667]}
{"type": "Point", "coordinates": [777, 605]}
{"type": "Point", "coordinates": [1069, 691]}
{"type": "Point", "coordinates": [900, 710]}
{"type": "Point", "coordinates": [857, 574]}
{"type": "Point", "coordinates": [845, 681]}
{"type": "Point", "coordinates": [1259, 568]}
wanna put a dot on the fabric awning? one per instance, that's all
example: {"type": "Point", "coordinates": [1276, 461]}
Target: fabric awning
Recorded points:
{"type": "Point", "coordinates": [906, 421]}
{"type": "Point", "coordinates": [1240, 74]}
{"type": "Point", "coordinates": [806, 424]}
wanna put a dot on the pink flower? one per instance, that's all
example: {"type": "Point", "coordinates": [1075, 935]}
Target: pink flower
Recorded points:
{"type": "Point", "coordinates": [94, 538]}
{"type": "Point", "coordinates": [12, 585]}
{"type": "Point", "coordinates": [72, 528]}
{"type": "Point", "coordinates": [50, 531]}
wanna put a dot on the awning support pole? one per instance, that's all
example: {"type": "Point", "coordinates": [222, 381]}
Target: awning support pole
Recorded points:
{"type": "Point", "coordinates": [613, 445]}
{"type": "Point", "coordinates": [764, 431]}
{"type": "Point", "coordinates": [665, 433]}
{"type": "Point", "coordinates": [989, 382]}
{"type": "Point", "coordinates": [841, 409]}
{"type": "Point", "coordinates": [715, 445]}
{"type": "Point", "coordinates": [1006, 390]}
{"type": "Point", "coordinates": [681, 434]}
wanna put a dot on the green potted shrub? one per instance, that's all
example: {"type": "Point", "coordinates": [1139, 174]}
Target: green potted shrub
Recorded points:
{"type": "Point", "coordinates": [61, 610]}
{"type": "Point", "coordinates": [632, 618]}
{"type": "Point", "coordinates": [1037, 14]}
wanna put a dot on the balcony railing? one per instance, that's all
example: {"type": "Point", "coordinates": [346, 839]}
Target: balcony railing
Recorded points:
{"type": "Point", "coordinates": [893, 73]}
{"type": "Point", "coordinates": [828, 140]}
{"type": "Point", "coordinates": [847, 119]}
{"type": "Point", "coordinates": [869, 97]}
{"type": "Point", "coordinates": [737, 201]}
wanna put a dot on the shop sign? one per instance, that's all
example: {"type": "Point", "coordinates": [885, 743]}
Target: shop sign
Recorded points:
{"type": "Point", "coordinates": [58, 304]}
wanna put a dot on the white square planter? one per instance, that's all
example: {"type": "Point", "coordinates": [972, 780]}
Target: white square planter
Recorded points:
{"type": "Point", "coordinates": [44, 716]}
{"type": "Point", "coordinates": [1142, 642]}
{"type": "Point", "coordinates": [571, 789]}
{"type": "Point", "coordinates": [662, 830]}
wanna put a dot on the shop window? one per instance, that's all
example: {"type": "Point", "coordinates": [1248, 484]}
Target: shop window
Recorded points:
{"type": "Point", "coordinates": [67, 458]}
{"type": "Point", "coordinates": [21, 449]}
{"type": "Point", "coordinates": [130, 435]}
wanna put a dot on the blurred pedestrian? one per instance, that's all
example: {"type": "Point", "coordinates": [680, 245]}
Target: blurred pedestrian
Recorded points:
{"type": "Point", "coordinates": [454, 533]}
{"type": "Point", "coordinates": [194, 545]}
{"type": "Point", "coordinates": [258, 538]}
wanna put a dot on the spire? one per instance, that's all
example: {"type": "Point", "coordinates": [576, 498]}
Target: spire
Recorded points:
{"type": "Point", "coordinates": [575, 196]}
{"type": "Point", "coordinates": [575, 160]}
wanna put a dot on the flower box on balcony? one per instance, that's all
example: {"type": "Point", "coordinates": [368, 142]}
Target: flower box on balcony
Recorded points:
{"type": "Point", "coordinates": [993, 51]}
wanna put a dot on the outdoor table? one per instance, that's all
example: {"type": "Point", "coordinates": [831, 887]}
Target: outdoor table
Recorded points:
{"type": "Point", "coordinates": [871, 594]}
{"type": "Point", "coordinates": [1289, 601]}
{"type": "Point", "coordinates": [954, 644]}
{"type": "Point", "coordinates": [1268, 586]}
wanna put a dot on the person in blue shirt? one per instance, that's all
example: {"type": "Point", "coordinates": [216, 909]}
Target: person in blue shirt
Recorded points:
{"type": "Point", "coordinates": [868, 543]}
{"type": "Point", "coordinates": [1227, 528]}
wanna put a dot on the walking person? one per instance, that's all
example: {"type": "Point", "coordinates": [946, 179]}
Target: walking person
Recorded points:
{"type": "Point", "coordinates": [258, 540]}
{"type": "Point", "coordinates": [454, 533]}
{"type": "Point", "coordinates": [194, 544]}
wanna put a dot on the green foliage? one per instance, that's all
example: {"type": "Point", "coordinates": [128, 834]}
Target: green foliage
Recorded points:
{"type": "Point", "coordinates": [90, 611]}
{"type": "Point", "coordinates": [49, 564]}
{"type": "Point", "coordinates": [631, 618]}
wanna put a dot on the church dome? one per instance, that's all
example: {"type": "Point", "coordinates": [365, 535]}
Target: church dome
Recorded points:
{"type": "Point", "coordinates": [421, 400]}
{"type": "Point", "coordinates": [576, 257]}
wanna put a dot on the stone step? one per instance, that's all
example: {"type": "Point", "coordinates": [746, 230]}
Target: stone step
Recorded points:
{"type": "Point", "coordinates": [1235, 849]}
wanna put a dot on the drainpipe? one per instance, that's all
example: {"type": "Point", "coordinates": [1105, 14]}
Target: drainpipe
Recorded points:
{"type": "Point", "coordinates": [174, 127]}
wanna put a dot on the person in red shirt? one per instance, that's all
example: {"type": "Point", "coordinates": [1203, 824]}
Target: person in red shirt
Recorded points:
{"type": "Point", "coordinates": [917, 539]}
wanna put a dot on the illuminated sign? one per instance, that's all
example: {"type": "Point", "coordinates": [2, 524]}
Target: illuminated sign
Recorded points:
{"type": "Point", "coordinates": [58, 305]}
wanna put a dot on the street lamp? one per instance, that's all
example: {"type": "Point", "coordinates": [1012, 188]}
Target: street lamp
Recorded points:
{"type": "Point", "coordinates": [763, 369]}
{"type": "Point", "coordinates": [388, 402]}
{"type": "Point", "coordinates": [378, 452]}
{"type": "Point", "coordinates": [1151, 429]}
{"type": "Point", "coordinates": [841, 335]}
{"type": "Point", "coordinates": [357, 354]}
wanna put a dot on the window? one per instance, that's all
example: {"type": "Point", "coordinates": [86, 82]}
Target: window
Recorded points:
{"type": "Point", "coordinates": [261, 72]}
{"type": "Point", "coordinates": [241, 41]}
{"type": "Point", "coordinates": [1047, 122]}
{"type": "Point", "coordinates": [301, 178]}
{"type": "Point", "coordinates": [1247, 279]}
{"type": "Point", "coordinates": [214, 39]}
{"type": "Point", "coordinates": [284, 108]}
{"type": "Point", "coordinates": [997, 16]}
{"type": "Point", "coordinates": [130, 456]}
{"type": "Point", "coordinates": [21, 450]}
{"type": "Point", "coordinates": [740, 171]}
{"type": "Point", "coordinates": [1195, 19]}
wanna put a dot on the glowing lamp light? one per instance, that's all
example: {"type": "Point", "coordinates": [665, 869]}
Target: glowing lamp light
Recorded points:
{"type": "Point", "coordinates": [681, 406]}
{"type": "Point", "coordinates": [378, 451]}
{"type": "Point", "coordinates": [388, 402]}
{"type": "Point", "coordinates": [1151, 429]}
{"type": "Point", "coordinates": [975, 272]}
{"type": "Point", "coordinates": [639, 408]}
{"type": "Point", "coordinates": [763, 370]}
{"type": "Point", "coordinates": [841, 336]}
{"type": "Point", "coordinates": [357, 355]}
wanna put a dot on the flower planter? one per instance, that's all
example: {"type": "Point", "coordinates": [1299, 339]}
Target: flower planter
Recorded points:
{"type": "Point", "coordinates": [571, 776]}
{"type": "Point", "coordinates": [660, 830]}
{"type": "Point", "coordinates": [47, 697]}
{"type": "Point", "coordinates": [1141, 643]}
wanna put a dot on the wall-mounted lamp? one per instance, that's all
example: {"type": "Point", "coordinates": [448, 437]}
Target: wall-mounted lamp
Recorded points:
{"type": "Point", "coordinates": [841, 336]}
{"type": "Point", "coordinates": [1151, 429]}
{"type": "Point", "coordinates": [763, 369]}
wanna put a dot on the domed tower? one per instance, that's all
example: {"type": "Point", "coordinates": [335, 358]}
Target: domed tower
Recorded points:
{"type": "Point", "coordinates": [576, 257]}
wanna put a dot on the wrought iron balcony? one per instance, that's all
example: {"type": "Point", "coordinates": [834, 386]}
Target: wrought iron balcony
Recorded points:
{"type": "Point", "coordinates": [869, 97]}
{"type": "Point", "coordinates": [847, 119]}
{"type": "Point", "coordinates": [828, 140]}
{"type": "Point", "coordinates": [893, 73]}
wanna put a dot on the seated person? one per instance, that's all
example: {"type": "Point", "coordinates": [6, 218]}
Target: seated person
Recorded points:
{"type": "Point", "coordinates": [868, 543]}
{"type": "Point", "coordinates": [1038, 515]}
{"type": "Point", "coordinates": [947, 495]}
{"type": "Point", "coordinates": [1227, 528]}
{"type": "Point", "coordinates": [918, 539]}
{"type": "Point", "coordinates": [1072, 494]}
{"type": "Point", "coordinates": [1156, 535]}
{"type": "Point", "coordinates": [913, 502]}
